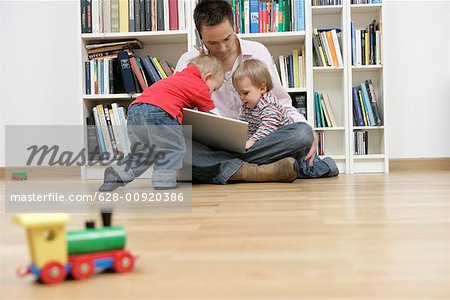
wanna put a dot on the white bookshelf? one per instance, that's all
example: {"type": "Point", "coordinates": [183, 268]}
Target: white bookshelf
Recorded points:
{"type": "Point", "coordinates": [335, 81]}
{"type": "Point", "coordinates": [332, 81]}
{"type": "Point", "coordinates": [377, 159]}
{"type": "Point", "coordinates": [168, 45]}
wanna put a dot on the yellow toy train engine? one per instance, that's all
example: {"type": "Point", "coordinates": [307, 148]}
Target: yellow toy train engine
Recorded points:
{"type": "Point", "coordinates": [79, 253]}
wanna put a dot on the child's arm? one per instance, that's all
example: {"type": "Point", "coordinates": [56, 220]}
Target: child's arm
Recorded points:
{"type": "Point", "coordinates": [203, 101]}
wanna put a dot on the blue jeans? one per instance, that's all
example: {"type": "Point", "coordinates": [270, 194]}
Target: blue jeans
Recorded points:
{"type": "Point", "coordinates": [293, 140]}
{"type": "Point", "coordinates": [156, 138]}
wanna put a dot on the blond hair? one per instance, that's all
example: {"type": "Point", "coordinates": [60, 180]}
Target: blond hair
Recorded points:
{"type": "Point", "coordinates": [208, 64]}
{"type": "Point", "coordinates": [256, 70]}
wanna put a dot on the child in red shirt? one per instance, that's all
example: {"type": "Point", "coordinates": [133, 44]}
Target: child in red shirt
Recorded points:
{"type": "Point", "coordinates": [154, 121]}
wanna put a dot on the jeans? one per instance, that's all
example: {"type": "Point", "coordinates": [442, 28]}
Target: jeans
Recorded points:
{"type": "Point", "coordinates": [293, 140]}
{"type": "Point", "coordinates": [156, 138]}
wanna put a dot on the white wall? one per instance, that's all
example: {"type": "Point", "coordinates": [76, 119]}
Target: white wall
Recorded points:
{"type": "Point", "coordinates": [417, 79]}
{"type": "Point", "coordinates": [40, 54]}
{"type": "Point", "coordinates": [40, 84]}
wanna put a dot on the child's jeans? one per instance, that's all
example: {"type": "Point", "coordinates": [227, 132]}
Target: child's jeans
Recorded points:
{"type": "Point", "coordinates": [156, 138]}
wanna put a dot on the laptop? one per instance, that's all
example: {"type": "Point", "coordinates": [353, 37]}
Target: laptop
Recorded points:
{"type": "Point", "coordinates": [216, 131]}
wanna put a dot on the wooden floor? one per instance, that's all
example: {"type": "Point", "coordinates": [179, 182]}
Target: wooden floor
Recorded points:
{"type": "Point", "coordinates": [351, 237]}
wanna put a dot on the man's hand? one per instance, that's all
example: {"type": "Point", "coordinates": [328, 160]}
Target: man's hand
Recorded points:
{"type": "Point", "coordinates": [249, 143]}
{"type": "Point", "coordinates": [312, 152]}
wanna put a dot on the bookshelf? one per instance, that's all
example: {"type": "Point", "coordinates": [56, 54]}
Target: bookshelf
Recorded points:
{"type": "Point", "coordinates": [165, 44]}
{"type": "Point", "coordinates": [376, 158]}
{"type": "Point", "coordinates": [335, 81]}
{"type": "Point", "coordinates": [331, 81]}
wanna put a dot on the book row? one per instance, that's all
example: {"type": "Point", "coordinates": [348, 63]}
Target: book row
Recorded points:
{"type": "Point", "coordinates": [361, 142]}
{"type": "Point", "coordinates": [365, 1]}
{"type": "Point", "coordinates": [327, 50]}
{"type": "Point", "coordinates": [255, 16]}
{"type": "Point", "coordinates": [326, 2]}
{"type": "Point", "coordinates": [366, 44]}
{"type": "Point", "coordinates": [299, 102]}
{"type": "Point", "coordinates": [324, 116]}
{"type": "Point", "coordinates": [107, 133]}
{"type": "Point", "coordinates": [365, 105]}
{"type": "Point", "coordinates": [293, 69]}
{"type": "Point", "coordinates": [124, 74]}
{"type": "Point", "coordinates": [104, 16]}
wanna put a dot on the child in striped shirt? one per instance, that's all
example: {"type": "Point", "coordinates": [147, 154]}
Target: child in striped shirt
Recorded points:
{"type": "Point", "coordinates": [261, 108]}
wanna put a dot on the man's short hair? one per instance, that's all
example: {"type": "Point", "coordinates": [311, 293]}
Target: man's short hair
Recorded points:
{"type": "Point", "coordinates": [212, 12]}
{"type": "Point", "coordinates": [256, 70]}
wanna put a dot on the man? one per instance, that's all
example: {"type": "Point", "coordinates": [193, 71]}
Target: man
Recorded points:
{"type": "Point", "coordinates": [284, 155]}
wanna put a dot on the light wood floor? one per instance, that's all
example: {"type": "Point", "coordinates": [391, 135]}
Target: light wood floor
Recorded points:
{"type": "Point", "coordinates": [352, 237]}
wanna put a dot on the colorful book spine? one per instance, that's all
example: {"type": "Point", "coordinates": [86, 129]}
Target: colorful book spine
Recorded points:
{"type": "Point", "coordinates": [357, 109]}
{"type": "Point", "coordinates": [367, 105]}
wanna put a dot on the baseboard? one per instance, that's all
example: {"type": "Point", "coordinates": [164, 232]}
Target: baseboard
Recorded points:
{"type": "Point", "coordinates": [43, 172]}
{"type": "Point", "coordinates": [419, 164]}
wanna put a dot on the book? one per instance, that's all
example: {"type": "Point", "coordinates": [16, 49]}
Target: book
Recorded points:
{"type": "Point", "coordinates": [158, 67]}
{"type": "Point", "coordinates": [132, 26]}
{"type": "Point", "coordinates": [173, 14]}
{"type": "Point", "coordinates": [299, 102]}
{"type": "Point", "coordinates": [137, 15]}
{"type": "Point", "coordinates": [137, 73]}
{"type": "Point", "coordinates": [160, 14]}
{"type": "Point", "coordinates": [116, 153]}
{"type": "Point", "coordinates": [93, 149]}
{"type": "Point", "coordinates": [148, 15]}
{"type": "Point", "coordinates": [134, 44]}
{"type": "Point", "coordinates": [109, 153]}
{"type": "Point", "coordinates": [357, 109]}
{"type": "Point", "coordinates": [118, 130]}
{"type": "Point", "coordinates": [124, 16]}
{"type": "Point", "coordinates": [165, 67]}
{"type": "Point", "coordinates": [325, 111]}
{"type": "Point", "coordinates": [149, 69]}
{"type": "Point", "coordinates": [254, 16]}
{"type": "Point", "coordinates": [367, 105]}
{"type": "Point", "coordinates": [329, 109]}
{"type": "Point", "coordinates": [331, 45]}
{"type": "Point", "coordinates": [374, 102]}
{"type": "Point", "coordinates": [127, 73]}
{"type": "Point", "coordinates": [337, 48]}
{"type": "Point", "coordinates": [114, 15]}
{"type": "Point", "coordinates": [99, 132]}
{"type": "Point", "coordinates": [300, 14]}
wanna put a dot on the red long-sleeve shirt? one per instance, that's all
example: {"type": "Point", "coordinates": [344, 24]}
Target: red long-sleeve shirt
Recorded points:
{"type": "Point", "coordinates": [184, 89]}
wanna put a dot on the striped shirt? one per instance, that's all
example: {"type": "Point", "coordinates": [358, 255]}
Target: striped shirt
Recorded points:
{"type": "Point", "coordinates": [267, 116]}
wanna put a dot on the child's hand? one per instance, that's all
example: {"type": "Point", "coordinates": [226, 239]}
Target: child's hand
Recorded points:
{"type": "Point", "coordinates": [249, 144]}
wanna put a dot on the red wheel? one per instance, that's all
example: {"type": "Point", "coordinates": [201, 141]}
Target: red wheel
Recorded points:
{"type": "Point", "coordinates": [53, 272]}
{"type": "Point", "coordinates": [82, 269]}
{"type": "Point", "coordinates": [123, 262]}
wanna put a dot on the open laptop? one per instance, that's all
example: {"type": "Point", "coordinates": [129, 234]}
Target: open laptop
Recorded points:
{"type": "Point", "coordinates": [216, 131]}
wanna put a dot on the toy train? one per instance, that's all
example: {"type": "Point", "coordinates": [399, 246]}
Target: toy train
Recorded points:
{"type": "Point", "coordinates": [56, 254]}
